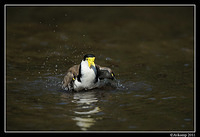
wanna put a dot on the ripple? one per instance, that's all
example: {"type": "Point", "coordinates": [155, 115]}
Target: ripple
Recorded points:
{"type": "Point", "coordinates": [168, 97]}
{"type": "Point", "coordinates": [139, 95]}
{"type": "Point", "coordinates": [84, 123]}
{"type": "Point", "coordinates": [152, 98]}
{"type": "Point", "coordinates": [62, 103]}
{"type": "Point", "coordinates": [95, 110]}
{"type": "Point", "coordinates": [36, 107]}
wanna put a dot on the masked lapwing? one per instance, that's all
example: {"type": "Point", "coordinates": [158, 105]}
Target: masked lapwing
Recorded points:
{"type": "Point", "coordinates": [86, 75]}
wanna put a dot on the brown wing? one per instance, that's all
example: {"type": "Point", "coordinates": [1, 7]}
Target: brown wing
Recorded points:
{"type": "Point", "coordinates": [104, 72]}
{"type": "Point", "coordinates": [71, 73]}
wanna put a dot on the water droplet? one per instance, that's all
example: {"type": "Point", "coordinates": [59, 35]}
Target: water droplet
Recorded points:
{"type": "Point", "coordinates": [187, 119]}
{"type": "Point", "coordinates": [56, 66]}
{"type": "Point", "coordinates": [109, 59]}
{"type": "Point", "coordinates": [186, 65]}
{"type": "Point", "coordinates": [182, 125]}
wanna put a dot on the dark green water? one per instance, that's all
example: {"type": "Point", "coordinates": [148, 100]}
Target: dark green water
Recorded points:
{"type": "Point", "coordinates": [150, 49]}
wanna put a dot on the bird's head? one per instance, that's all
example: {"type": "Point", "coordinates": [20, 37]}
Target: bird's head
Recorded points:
{"type": "Point", "coordinates": [90, 59]}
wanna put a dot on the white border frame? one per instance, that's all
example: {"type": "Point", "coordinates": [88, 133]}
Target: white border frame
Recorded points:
{"type": "Point", "coordinates": [100, 5]}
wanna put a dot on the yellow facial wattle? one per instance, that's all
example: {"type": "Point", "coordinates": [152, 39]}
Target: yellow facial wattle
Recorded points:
{"type": "Point", "coordinates": [90, 61]}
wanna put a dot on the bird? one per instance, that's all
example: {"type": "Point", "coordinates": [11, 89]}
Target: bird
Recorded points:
{"type": "Point", "coordinates": [87, 75]}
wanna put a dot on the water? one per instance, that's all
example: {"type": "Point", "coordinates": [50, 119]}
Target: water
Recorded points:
{"type": "Point", "coordinates": [150, 50]}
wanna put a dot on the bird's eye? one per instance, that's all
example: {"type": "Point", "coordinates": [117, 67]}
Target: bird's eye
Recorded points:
{"type": "Point", "coordinates": [90, 59]}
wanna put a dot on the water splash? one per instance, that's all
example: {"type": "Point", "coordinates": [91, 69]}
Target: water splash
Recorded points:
{"type": "Point", "coordinates": [126, 86]}
{"type": "Point", "coordinates": [120, 85]}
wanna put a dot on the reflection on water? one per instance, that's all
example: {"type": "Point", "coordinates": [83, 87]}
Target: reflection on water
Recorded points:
{"type": "Point", "coordinates": [85, 110]}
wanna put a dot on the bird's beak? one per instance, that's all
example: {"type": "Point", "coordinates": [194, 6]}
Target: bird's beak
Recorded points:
{"type": "Point", "coordinates": [91, 61]}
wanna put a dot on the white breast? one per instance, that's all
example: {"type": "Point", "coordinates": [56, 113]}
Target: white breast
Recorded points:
{"type": "Point", "coordinates": [87, 79]}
